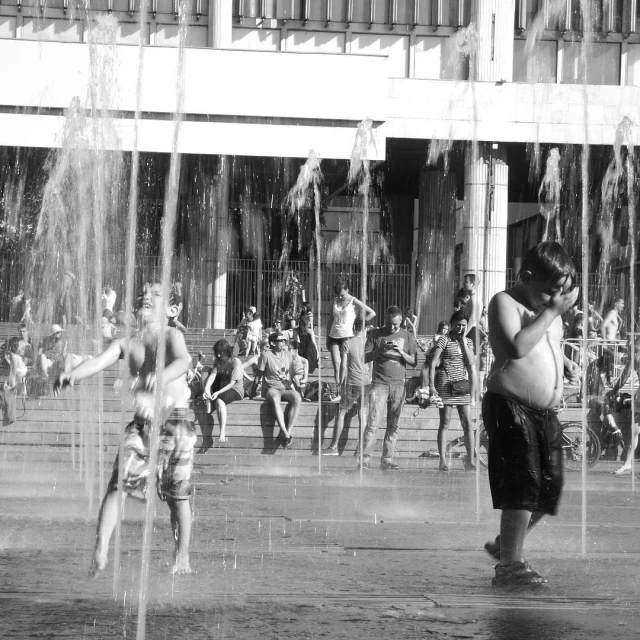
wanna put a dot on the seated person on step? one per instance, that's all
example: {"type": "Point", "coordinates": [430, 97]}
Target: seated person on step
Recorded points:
{"type": "Point", "coordinates": [279, 371]}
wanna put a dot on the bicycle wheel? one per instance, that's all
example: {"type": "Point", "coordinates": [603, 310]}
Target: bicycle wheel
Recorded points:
{"type": "Point", "coordinates": [457, 449]}
{"type": "Point", "coordinates": [482, 446]}
{"type": "Point", "coordinates": [574, 449]}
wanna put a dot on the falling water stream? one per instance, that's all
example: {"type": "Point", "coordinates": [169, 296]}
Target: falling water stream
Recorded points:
{"type": "Point", "coordinates": [360, 174]}
{"type": "Point", "coordinates": [88, 174]}
{"type": "Point", "coordinates": [168, 243]}
{"type": "Point", "coordinates": [130, 253]}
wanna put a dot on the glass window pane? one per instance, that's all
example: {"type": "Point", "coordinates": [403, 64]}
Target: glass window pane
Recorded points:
{"type": "Point", "coordinates": [362, 11]}
{"type": "Point", "coordinates": [445, 12]}
{"type": "Point", "coordinates": [168, 35]}
{"type": "Point", "coordinates": [249, 8]}
{"type": "Point", "coordinates": [396, 47]}
{"type": "Point", "coordinates": [316, 41]}
{"type": "Point", "coordinates": [47, 29]}
{"type": "Point", "coordinates": [255, 39]}
{"type": "Point", "coordinates": [318, 10]}
{"type": "Point", "coordinates": [404, 12]}
{"type": "Point", "coordinates": [429, 57]}
{"type": "Point", "coordinates": [381, 13]}
{"type": "Point", "coordinates": [633, 65]}
{"type": "Point", "coordinates": [7, 26]}
{"type": "Point", "coordinates": [338, 10]}
{"type": "Point", "coordinates": [540, 67]}
{"type": "Point", "coordinates": [288, 10]}
{"type": "Point", "coordinates": [603, 64]}
{"type": "Point", "coordinates": [425, 12]}
{"type": "Point", "coordinates": [270, 7]}
{"type": "Point", "coordinates": [129, 33]}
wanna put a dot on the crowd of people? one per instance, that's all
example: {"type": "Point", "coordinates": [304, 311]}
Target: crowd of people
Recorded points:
{"type": "Point", "coordinates": [520, 394]}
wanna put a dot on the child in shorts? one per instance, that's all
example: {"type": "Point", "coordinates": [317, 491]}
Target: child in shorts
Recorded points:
{"type": "Point", "coordinates": [177, 431]}
{"type": "Point", "coordinates": [524, 389]}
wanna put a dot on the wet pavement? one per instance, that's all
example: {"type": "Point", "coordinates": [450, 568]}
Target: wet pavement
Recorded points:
{"type": "Point", "coordinates": [282, 552]}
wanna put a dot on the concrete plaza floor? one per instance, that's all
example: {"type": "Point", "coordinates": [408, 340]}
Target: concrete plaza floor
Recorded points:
{"type": "Point", "coordinates": [283, 552]}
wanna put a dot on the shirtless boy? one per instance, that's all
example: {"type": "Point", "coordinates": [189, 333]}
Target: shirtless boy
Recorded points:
{"type": "Point", "coordinates": [177, 432]}
{"type": "Point", "coordinates": [524, 389]}
{"type": "Point", "coordinates": [612, 322]}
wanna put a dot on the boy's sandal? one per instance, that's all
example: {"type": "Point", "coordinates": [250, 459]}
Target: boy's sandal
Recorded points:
{"type": "Point", "coordinates": [517, 574]}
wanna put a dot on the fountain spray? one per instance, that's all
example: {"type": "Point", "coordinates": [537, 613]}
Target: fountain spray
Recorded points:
{"type": "Point", "coordinates": [168, 235]}
{"type": "Point", "coordinates": [359, 172]}
{"type": "Point", "coordinates": [310, 178]}
{"type": "Point", "coordinates": [130, 252]}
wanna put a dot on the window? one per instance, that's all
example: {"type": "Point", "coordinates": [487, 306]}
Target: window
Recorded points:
{"type": "Point", "coordinates": [396, 47]}
{"type": "Point", "coordinates": [603, 65]}
{"type": "Point", "coordinates": [540, 66]}
{"type": "Point", "coordinates": [429, 57]}
{"type": "Point", "coordinates": [633, 65]}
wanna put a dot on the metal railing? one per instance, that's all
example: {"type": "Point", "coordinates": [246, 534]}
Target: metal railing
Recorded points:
{"type": "Point", "coordinates": [412, 13]}
{"type": "Point", "coordinates": [263, 285]}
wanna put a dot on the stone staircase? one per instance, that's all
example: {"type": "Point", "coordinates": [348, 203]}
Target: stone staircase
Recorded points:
{"type": "Point", "coordinates": [94, 412]}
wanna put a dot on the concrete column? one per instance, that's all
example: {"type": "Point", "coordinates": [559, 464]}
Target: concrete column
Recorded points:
{"type": "Point", "coordinates": [220, 23]}
{"type": "Point", "coordinates": [222, 242]}
{"type": "Point", "coordinates": [494, 22]}
{"type": "Point", "coordinates": [435, 249]}
{"type": "Point", "coordinates": [485, 226]}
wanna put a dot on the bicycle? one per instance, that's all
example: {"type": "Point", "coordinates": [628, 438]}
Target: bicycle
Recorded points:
{"type": "Point", "coordinates": [456, 448]}
{"type": "Point", "coordinates": [573, 448]}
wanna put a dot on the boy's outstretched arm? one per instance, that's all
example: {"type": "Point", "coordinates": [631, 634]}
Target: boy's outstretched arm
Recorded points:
{"type": "Point", "coordinates": [506, 323]}
{"type": "Point", "coordinates": [90, 367]}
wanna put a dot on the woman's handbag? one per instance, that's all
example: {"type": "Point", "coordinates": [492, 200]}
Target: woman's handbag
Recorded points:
{"type": "Point", "coordinates": [459, 388]}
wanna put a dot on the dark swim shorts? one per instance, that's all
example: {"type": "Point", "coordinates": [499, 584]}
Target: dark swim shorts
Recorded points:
{"type": "Point", "coordinates": [175, 458]}
{"type": "Point", "coordinates": [525, 455]}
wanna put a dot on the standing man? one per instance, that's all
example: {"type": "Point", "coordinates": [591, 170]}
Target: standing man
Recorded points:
{"type": "Point", "coordinates": [391, 349]}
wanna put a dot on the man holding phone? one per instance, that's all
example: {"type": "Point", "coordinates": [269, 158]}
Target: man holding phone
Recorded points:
{"type": "Point", "coordinates": [391, 349]}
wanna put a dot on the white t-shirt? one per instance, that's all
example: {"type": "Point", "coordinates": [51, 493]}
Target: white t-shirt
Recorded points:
{"type": "Point", "coordinates": [109, 300]}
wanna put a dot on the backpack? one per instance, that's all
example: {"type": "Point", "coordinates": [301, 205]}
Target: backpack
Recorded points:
{"type": "Point", "coordinates": [311, 394]}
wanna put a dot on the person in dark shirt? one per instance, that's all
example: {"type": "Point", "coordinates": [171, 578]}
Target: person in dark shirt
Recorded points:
{"type": "Point", "coordinates": [391, 349]}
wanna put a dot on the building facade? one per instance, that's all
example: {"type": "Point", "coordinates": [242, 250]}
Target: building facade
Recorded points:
{"type": "Point", "coordinates": [466, 98]}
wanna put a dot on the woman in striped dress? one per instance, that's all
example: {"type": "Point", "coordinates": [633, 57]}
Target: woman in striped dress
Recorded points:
{"type": "Point", "coordinates": [449, 375]}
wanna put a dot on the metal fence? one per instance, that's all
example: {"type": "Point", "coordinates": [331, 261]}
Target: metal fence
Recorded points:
{"type": "Point", "coordinates": [614, 285]}
{"type": "Point", "coordinates": [249, 283]}
{"type": "Point", "coordinates": [263, 285]}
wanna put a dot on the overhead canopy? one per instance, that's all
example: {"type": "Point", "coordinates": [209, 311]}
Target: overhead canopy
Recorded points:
{"type": "Point", "coordinates": [233, 102]}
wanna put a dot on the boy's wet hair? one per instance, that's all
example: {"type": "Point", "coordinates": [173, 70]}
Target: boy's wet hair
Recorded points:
{"type": "Point", "coordinates": [548, 261]}
{"type": "Point", "coordinates": [463, 293]}
{"type": "Point", "coordinates": [457, 317]}
{"type": "Point", "coordinates": [471, 277]}
{"type": "Point", "coordinates": [173, 300]}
